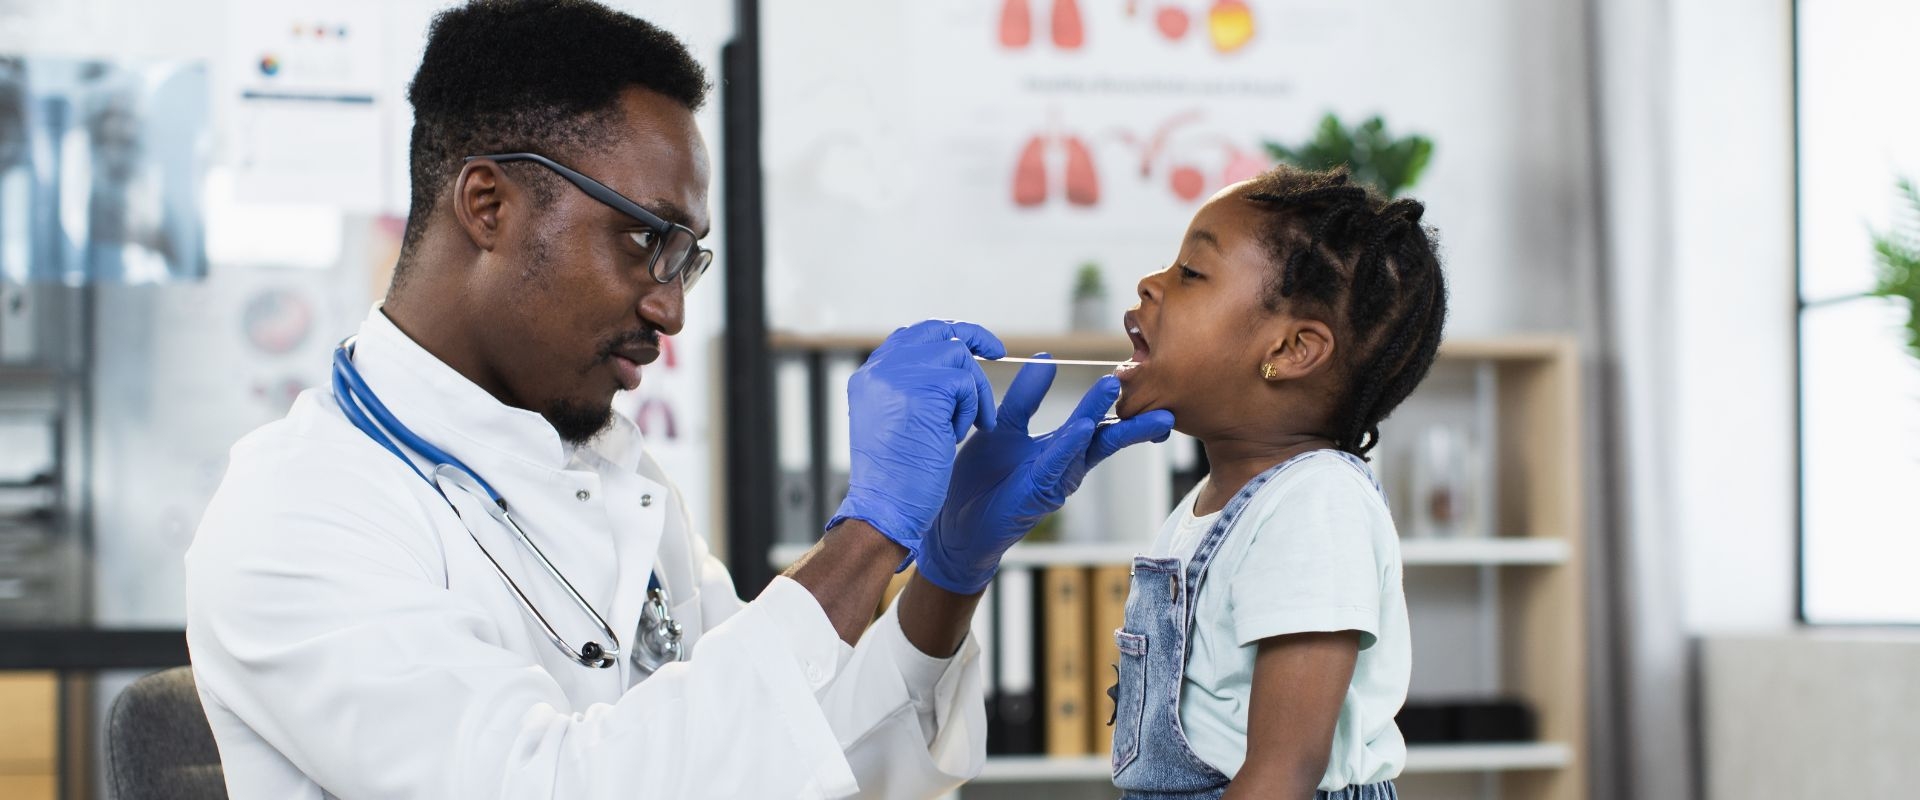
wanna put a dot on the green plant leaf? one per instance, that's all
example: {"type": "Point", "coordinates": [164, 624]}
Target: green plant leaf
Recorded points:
{"type": "Point", "coordinates": [1371, 154]}
{"type": "Point", "coordinates": [1898, 253]}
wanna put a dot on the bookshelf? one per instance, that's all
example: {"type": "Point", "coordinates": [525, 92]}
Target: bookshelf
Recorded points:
{"type": "Point", "coordinates": [1524, 606]}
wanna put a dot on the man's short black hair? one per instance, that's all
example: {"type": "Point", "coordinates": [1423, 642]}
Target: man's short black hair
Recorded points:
{"type": "Point", "coordinates": [530, 75]}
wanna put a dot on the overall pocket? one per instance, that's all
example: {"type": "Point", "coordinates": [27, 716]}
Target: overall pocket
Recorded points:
{"type": "Point", "coordinates": [1129, 700]}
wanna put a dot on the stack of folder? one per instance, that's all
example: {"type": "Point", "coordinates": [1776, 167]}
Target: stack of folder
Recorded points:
{"type": "Point", "coordinates": [1048, 633]}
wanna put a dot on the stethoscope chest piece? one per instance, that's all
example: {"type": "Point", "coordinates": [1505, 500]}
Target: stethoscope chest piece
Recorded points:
{"type": "Point", "coordinates": [660, 635]}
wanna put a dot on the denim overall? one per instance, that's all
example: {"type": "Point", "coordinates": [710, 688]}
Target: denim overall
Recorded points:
{"type": "Point", "coordinates": [1151, 757]}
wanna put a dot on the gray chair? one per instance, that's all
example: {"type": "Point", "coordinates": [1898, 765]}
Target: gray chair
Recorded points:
{"type": "Point", "coordinates": [159, 746]}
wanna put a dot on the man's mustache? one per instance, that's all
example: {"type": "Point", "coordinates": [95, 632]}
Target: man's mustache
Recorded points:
{"type": "Point", "coordinates": [647, 336]}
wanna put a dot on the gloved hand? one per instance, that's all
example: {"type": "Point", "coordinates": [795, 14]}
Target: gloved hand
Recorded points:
{"type": "Point", "coordinates": [1005, 481]}
{"type": "Point", "coordinates": [908, 407]}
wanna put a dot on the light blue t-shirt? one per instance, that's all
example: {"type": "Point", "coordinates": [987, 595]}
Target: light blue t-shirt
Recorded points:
{"type": "Point", "coordinates": [1315, 551]}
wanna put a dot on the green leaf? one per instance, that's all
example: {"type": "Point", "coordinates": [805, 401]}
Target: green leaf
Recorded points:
{"type": "Point", "coordinates": [1898, 254]}
{"type": "Point", "coordinates": [1371, 154]}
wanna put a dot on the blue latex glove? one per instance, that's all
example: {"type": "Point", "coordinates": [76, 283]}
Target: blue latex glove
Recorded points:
{"type": "Point", "coordinates": [907, 408]}
{"type": "Point", "coordinates": [1006, 481]}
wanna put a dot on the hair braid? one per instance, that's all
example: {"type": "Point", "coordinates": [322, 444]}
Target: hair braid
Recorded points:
{"type": "Point", "coordinates": [1370, 265]}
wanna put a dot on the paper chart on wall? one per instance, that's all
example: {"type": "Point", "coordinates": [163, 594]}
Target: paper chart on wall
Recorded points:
{"type": "Point", "coordinates": [962, 158]}
{"type": "Point", "coordinates": [307, 121]}
{"type": "Point", "coordinates": [1098, 114]}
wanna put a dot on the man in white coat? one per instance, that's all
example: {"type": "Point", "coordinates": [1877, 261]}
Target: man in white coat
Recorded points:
{"type": "Point", "coordinates": [350, 630]}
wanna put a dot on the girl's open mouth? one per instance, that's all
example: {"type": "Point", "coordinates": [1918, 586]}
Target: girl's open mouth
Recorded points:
{"type": "Point", "coordinates": [1141, 350]}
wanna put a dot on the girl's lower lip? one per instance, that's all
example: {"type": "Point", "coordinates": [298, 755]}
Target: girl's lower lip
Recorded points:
{"type": "Point", "coordinates": [628, 371]}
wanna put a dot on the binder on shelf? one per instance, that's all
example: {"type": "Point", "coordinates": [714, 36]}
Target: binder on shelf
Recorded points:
{"type": "Point", "coordinates": [1020, 726]}
{"type": "Point", "coordinates": [1068, 686]}
{"type": "Point", "coordinates": [839, 368]}
{"type": "Point", "coordinates": [797, 516]}
{"type": "Point", "coordinates": [1108, 589]}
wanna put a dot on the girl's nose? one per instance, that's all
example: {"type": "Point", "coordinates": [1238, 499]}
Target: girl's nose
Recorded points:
{"type": "Point", "coordinates": [1149, 286]}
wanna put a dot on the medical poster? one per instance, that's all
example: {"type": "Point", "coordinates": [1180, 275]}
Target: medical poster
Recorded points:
{"type": "Point", "coordinates": [307, 100]}
{"type": "Point", "coordinates": [1013, 142]}
{"type": "Point", "coordinates": [1098, 114]}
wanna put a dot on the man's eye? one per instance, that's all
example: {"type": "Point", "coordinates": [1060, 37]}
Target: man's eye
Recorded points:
{"type": "Point", "coordinates": [644, 239]}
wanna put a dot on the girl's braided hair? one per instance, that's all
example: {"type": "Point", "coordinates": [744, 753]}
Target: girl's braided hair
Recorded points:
{"type": "Point", "coordinates": [1367, 266]}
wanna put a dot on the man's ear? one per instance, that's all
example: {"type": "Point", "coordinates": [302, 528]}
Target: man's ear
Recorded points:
{"type": "Point", "coordinates": [478, 194]}
{"type": "Point", "coordinates": [1305, 346]}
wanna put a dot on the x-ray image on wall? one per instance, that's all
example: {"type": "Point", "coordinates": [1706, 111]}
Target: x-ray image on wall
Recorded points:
{"type": "Point", "coordinates": [101, 168]}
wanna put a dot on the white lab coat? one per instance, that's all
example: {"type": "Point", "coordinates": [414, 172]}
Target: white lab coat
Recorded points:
{"type": "Point", "coordinates": [350, 640]}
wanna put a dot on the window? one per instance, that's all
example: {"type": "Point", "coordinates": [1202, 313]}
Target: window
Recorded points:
{"type": "Point", "coordinates": [1859, 130]}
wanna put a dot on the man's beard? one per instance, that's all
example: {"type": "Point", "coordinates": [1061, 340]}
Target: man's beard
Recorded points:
{"type": "Point", "coordinates": [577, 423]}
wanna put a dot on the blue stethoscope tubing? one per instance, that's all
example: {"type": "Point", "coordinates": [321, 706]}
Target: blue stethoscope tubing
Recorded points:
{"type": "Point", "coordinates": [364, 409]}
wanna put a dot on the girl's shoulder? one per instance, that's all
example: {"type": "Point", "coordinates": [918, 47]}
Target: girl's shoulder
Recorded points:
{"type": "Point", "coordinates": [1325, 490]}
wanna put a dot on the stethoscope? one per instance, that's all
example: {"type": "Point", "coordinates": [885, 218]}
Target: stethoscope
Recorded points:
{"type": "Point", "coordinates": [660, 635]}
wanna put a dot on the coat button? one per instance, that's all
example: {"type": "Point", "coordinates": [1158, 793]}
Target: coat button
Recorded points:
{"type": "Point", "coordinates": [583, 495]}
{"type": "Point", "coordinates": [646, 500]}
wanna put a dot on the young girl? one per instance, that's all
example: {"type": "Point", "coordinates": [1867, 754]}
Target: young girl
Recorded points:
{"type": "Point", "coordinates": [1265, 650]}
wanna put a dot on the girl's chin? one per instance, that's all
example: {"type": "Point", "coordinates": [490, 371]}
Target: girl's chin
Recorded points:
{"type": "Point", "coordinates": [1130, 405]}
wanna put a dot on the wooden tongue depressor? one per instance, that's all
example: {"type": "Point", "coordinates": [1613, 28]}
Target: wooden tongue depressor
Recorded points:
{"type": "Point", "coordinates": [1060, 361]}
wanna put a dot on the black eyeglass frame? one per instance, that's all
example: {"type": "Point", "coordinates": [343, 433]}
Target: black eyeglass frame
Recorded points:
{"type": "Point", "coordinates": [686, 270]}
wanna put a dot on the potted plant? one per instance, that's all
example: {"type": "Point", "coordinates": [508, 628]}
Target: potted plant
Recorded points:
{"type": "Point", "coordinates": [1089, 300]}
{"type": "Point", "coordinates": [1898, 251]}
{"type": "Point", "coordinates": [1371, 154]}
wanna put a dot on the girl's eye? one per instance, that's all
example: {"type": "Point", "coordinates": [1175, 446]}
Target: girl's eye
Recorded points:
{"type": "Point", "coordinates": [644, 239]}
{"type": "Point", "coordinates": [1188, 273]}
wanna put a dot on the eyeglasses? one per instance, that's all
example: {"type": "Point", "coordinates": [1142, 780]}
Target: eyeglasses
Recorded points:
{"type": "Point", "coordinates": [674, 250]}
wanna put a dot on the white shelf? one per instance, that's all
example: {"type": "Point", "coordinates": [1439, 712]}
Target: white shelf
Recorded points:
{"type": "Point", "coordinates": [1038, 769]}
{"type": "Point", "coordinates": [1420, 758]}
{"type": "Point", "coordinates": [1488, 757]}
{"type": "Point", "coordinates": [1508, 551]}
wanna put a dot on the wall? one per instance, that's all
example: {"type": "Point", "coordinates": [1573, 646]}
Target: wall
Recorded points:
{"type": "Point", "coordinates": [1732, 412]}
{"type": "Point", "coordinates": [1696, 364]}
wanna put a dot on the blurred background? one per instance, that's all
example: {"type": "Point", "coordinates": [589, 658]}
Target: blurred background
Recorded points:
{"type": "Point", "coordinates": [1658, 540]}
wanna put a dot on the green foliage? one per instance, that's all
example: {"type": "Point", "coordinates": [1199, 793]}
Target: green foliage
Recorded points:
{"type": "Point", "coordinates": [1898, 251]}
{"type": "Point", "coordinates": [1088, 282]}
{"type": "Point", "coordinates": [1370, 153]}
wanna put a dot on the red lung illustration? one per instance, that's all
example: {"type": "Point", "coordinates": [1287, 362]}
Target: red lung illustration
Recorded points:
{"type": "Point", "coordinates": [1083, 183]}
{"type": "Point", "coordinates": [1068, 32]}
{"type": "Point", "coordinates": [1187, 182]}
{"type": "Point", "coordinates": [1030, 175]}
{"type": "Point", "coordinates": [1172, 21]}
{"type": "Point", "coordinates": [1016, 24]}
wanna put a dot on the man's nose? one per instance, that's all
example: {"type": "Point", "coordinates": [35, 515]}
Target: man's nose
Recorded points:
{"type": "Point", "coordinates": [664, 306]}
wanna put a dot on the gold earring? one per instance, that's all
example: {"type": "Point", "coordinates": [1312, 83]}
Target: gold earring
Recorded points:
{"type": "Point", "coordinates": [1269, 372]}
